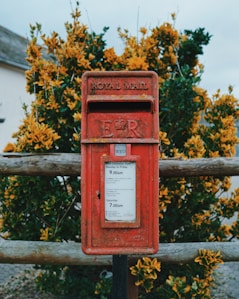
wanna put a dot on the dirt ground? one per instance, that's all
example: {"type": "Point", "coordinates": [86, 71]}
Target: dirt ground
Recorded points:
{"type": "Point", "coordinates": [227, 281]}
{"type": "Point", "coordinates": [21, 285]}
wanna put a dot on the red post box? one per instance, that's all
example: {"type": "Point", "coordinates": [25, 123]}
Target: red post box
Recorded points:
{"type": "Point", "coordinates": [119, 176]}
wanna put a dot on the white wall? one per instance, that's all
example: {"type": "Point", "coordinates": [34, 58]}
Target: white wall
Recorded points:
{"type": "Point", "coordinates": [12, 97]}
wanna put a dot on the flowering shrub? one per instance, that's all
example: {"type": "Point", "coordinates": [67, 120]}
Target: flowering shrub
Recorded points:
{"type": "Point", "coordinates": [146, 272]}
{"type": "Point", "coordinates": [192, 125]}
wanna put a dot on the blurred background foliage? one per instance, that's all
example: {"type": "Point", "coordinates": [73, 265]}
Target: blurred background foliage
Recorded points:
{"type": "Point", "coordinates": [192, 125]}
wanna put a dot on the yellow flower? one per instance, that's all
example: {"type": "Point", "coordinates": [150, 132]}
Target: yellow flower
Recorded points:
{"type": "Point", "coordinates": [209, 259]}
{"type": "Point", "coordinates": [163, 192]}
{"type": "Point", "coordinates": [33, 51]}
{"type": "Point", "coordinates": [195, 147]}
{"type": "Point", "coordinates": [173, 16]}
{"type": "Point", "coordinates": [78, 81]}
{"type": "Point", "coordinates": [226, 185]}
{"type": "Point", "coordinates": [71, 104]}
{"type": "Point", "coordinates": [91, 56]}
{"type": "Point", "coordinates": [76, 137]}
{"type": "Point", "coordinates": [52, 104]}
{"type": "Point", "coordinates": [77, 116]}
{"type": "Point", "coordinates": [10, 147]}
{"type": "Point", "coordinates": [146, 271]}
{"type": "Point", "coordinates": [110, 55]}
{"type": "Point", "coordinates": [143, 30]}
{"type": "Point", "coordinates": [163, 138]}
{"type": "Point", "coordinates": [137, 63]}
{"type": "Point", "coordinates": [1, 223]}
{"type": "Point", "coordinates": [156, 265]}
{"type": "Point", "coordinates": [187, 289]}
{"type": "Point", "coordinates": [33, 135]}
{"type": "Point", "coordinates": [214, 154]}
{"type": "Point", "coordinates": [56, 83]}
{"type": "Point", "coordinates": [197, 99]}
{"type": "Point", "coordinates": [44, 234]}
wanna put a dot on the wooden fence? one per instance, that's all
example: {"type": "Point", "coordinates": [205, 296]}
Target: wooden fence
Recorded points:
{"type": "Point", "coordinates": [54, 253]}
{"type": "Point", "coordinates": [70, 164]}
{"type": "Point", "coordinates": [34, 252]}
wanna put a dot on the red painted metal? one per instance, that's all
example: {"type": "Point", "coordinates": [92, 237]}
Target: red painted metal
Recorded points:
{"type": "Point", "coordinates": [119, 182]}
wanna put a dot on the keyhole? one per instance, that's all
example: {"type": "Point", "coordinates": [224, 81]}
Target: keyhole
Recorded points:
{"type": "Point", "coordinates": [98, 194]}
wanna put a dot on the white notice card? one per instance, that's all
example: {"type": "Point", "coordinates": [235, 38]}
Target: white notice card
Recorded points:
{"type": "Point", "coordinates": [120, 191]}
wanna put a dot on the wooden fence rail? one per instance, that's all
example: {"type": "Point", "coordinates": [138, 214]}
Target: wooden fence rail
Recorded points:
{"type": "Point", "coordinates": [34, 252]}
{"type": "Point", "coordinates": [55, 253]}
{"type": "Point", "coordinates": [70, 164]}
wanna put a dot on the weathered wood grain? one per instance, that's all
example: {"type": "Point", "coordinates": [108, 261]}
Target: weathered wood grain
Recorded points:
{"type": "Point", "coordinates": [55, 253]}
{"type": "Point", "coordinates": [70, 164]}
